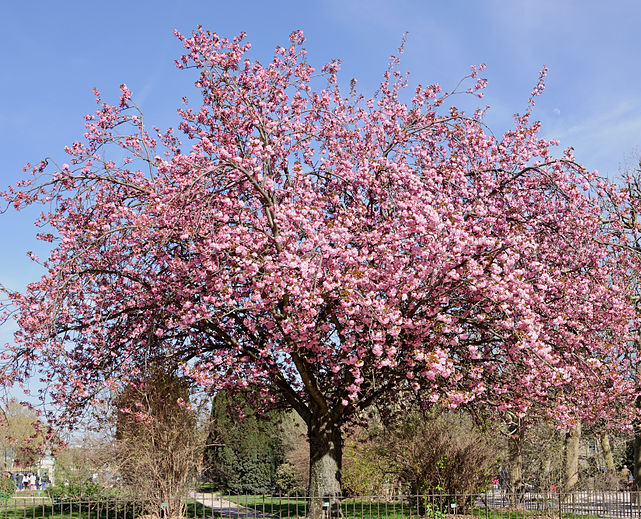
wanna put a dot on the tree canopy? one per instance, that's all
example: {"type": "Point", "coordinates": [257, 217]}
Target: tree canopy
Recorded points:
{"type": "Point", "coordinates": [327, 249]}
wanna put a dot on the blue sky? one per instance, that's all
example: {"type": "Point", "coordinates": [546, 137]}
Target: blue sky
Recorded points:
{"type": "Point", "coordinates": [54, 53]}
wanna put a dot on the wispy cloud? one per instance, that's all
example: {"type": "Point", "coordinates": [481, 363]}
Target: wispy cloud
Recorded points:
{"type": "Point", "coordinates": [144, 93]}
{"type": "Point", "coordinates": [604, 137]}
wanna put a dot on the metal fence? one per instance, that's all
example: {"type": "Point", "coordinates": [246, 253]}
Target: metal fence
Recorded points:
{"type": "Point", "coordinates": [489, 505]}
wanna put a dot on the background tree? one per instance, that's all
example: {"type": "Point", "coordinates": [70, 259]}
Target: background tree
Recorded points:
{"type": "Point", "coordinates": [516, 428]}
{"type": "Point", "coordinates": [159, 441]}
{"type": "Point", "coordinates": [623, 210]}
{"type": "Point", "coordinates": [572, 445]}
{"type": "Point", "coordinates": [606, 448]}
{"type": "Point", "coordinates": [84, 470]}
{"type": "Point", "coordinates": [243, 453]}
{"type": "Point", "coordinates": [542, 455]}
{"type": "Point", "coordinates": [366, 471]}
{"type": "Point", "coordinates": [551, 456]}
{"type": "Point", "coordinates": [22, 435]}
{"type": "Point", "coordinates": [296, 444]}
{"type": "Point", "coordinates": [327, 249]}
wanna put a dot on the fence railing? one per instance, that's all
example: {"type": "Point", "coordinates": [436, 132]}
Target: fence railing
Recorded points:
{"type": "Point", "coordinates": [494, 504]}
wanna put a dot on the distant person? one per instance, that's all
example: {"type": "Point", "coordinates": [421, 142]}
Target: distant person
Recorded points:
{"type": "Point", "coordinates": [626, 477]}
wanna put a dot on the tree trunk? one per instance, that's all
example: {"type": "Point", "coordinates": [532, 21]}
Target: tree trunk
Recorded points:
{"type": "Point", "coordinates": [636, 444]}
{"type": "Point", "coordinates": [325, 459]}
{"type": "Point", "coordinates": [636, 464]}
{"type": "Point", "coordinates": [608, 458]}
{"type": "Point", "coordinates": [515, 459]}
{"type": "Point", "coordinates": [546, 478]}
{"type": "Point", "coordinates": [572, 441]}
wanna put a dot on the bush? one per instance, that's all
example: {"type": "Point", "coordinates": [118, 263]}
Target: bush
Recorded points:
{"type": "Point", "coordinates": [7, 488]}
{"type": "Point", "coordinates": [7, 485]}
{"type": "Point", "coordinates": [441, 453]}
{"type": "Point", "coordinates": [365, 471]}
{"type": "Point", "coordinates": [75, 490]}
{"type": "Point", "coordinates": [435, 454]}
{"type": "Point", "coordinates": [287, 480]}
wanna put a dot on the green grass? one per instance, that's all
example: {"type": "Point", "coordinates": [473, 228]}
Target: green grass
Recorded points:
{"type": "Point", "coordinates": [20, 509]}
{"type": "Point", "coordinates": [196, 509]}
{"type": "Point", "coordinates": [24, 509]}
{"type": "Point", "coordinates": [208, 488]}
{"type": "Point", "coordinates": [527, 514]}
{"type": "Point", "coordinates": [292, 507]}
{"type": "Point", "coordinates": [283, 507]}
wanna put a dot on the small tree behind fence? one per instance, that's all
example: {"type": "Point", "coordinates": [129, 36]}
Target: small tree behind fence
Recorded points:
{"type": "Point", "coordinates": [158, 441]}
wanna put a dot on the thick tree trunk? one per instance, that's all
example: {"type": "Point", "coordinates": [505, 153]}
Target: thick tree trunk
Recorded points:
{"type": "Point", "coordinates": [608, 457]}
{"type": "Point", "coordinates": [325, 459]}
{"type": "Point", "coordinates": [572, 441]}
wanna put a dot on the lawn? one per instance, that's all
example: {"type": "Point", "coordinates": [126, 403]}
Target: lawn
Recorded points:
{"type": "Point", "coordinates": [265, 507]}
{"type": "Point", "coordinates": [375, 508]}
{"type": "Point", "coordinates": [44, 508]}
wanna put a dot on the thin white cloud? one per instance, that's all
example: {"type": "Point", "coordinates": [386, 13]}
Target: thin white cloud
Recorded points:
{"type": "Point", "coordinates": [141, 96]}
{"type": "Point", "coordinates": [604, 137]}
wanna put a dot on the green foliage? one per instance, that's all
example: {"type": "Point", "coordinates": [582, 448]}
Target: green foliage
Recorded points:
{"type": "Point", "coordinates": [440, 453]}
{"type": "Point", "coordinates": [365, 471]}
{"type": "Point", "coordinates": [75, 471]}
{"type": "Point", "coordinates": [7, 486]}
{"type": "Point", "coordinates": [7, 489]}
{"type": "Point", "coordinates": [21, 433]}
{"type": "Point", "coordinates": [287, 480]}
{"type": "Point", "coordinates": [75, 490]}
{"type": "Point", "coordinates": [433, 511]}
{"type": "Point", "coordinates": [244, 453]}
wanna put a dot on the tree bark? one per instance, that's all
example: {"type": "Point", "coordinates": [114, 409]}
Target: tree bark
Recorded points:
{"type": "Point", "coordinates": [636, 444]}
{"type": "Point", "coordinates": [636, 464]}
{"type": "Point", "coordinates": [325, 460]}
{"type": "Point", "coordinates": [515, 460]}
{"type": "Point", "coordinates": [608, 457]}
{"type": "Point", "coordinates": [572, 441]}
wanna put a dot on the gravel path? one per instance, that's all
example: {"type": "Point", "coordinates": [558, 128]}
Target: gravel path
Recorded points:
{"type": "Point", "coordinates": [226, 508]}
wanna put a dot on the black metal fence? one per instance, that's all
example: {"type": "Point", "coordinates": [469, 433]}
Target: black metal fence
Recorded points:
{"type": "Point", "coordinates": [493, 504]}
{"type": "Point", "coordinates": [489, 505]}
